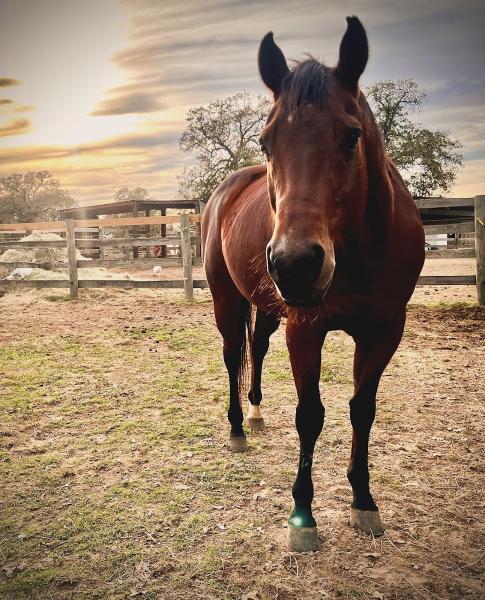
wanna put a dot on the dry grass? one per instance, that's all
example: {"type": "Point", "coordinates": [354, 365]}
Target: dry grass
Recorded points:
{"type": "Point", "coordinates": [33, 254]}
{"type": "Point", "coordinates": [53, 255]}
{"type": "Point", "coordinates": [118, 482]}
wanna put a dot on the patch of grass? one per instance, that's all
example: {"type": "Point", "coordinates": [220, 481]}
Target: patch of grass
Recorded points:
{"type": "Point", "coordinates": [444, 304]}
{"type": "Point", "coordinates": [193, 340]}
{"type": "Point", "coordinates": [337, 359]}
{"type": "Point", "coordinates": [29, 583]}
{"type": "Point", "coordinates": [118, 482]}
{"type": "Point", "coordinates": [58, 298]}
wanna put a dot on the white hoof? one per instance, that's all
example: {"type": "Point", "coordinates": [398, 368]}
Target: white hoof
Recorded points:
{"type": "Point", "coordinates": [256, 424]}
{"type": "Point", "coordinates": [255, 417]}
{"type": "Point", "coordinates": [302, 539]}
{"type": "Point", "coordinates": [368, 521]}
{"type": "Point", "coordinates": [238, 444]}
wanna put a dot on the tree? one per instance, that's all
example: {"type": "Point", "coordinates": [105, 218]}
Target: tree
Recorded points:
{"type": "Point", "coordinates": [428, 160]}
{"type": "Point", "coordinates": [125, 194]}
{"type": "Point", "coordinates": [30, 197]}
{"type": "Point", "coordinates": [225, 137]}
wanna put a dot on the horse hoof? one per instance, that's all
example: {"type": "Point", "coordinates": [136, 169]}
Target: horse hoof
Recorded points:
{"type": "Point", "coordinates": [238, 444]}
{"type": "Point", "coordinates": [302, 539]}
{"type": "Point", "coordinates": [368, 521]}
{"type": "Point", "coordinates": [256, 424]}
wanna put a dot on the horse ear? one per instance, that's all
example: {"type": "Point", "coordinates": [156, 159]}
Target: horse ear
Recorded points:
{"type": "Point", "coordinates": [353, 55]}
{"type": "Point", "coordinates": [272, 64]}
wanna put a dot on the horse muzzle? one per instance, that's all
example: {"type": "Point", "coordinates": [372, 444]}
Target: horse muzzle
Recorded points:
{"type": "Point", "coordinates": [302, 275]}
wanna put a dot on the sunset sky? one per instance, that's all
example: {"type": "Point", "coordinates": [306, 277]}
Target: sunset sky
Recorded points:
{"type": "Point", "coordinates": [96, 91]}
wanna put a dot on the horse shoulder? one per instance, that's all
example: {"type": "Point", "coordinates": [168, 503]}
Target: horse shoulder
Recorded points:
{"type": "Point", "coordinates": [225, 195]}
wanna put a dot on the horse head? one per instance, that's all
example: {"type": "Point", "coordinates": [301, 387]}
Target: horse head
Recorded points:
{"type": "Point", "coordinates": [314, 141]}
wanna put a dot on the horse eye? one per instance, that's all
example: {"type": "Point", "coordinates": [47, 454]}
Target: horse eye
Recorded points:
{"type": "Point", "coordinates": [264, 148]}
{"type": "Point", "coordinates": [353, 136]}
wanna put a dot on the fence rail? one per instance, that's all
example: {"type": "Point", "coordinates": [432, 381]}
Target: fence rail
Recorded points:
{"type": "Point", "coordinates": [185, 241]}
{"type": "Point", "coordinates": [440, 216]}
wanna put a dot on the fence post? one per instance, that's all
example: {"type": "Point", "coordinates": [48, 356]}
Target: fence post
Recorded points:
{"type": "Point", "coordinates": [186, 249]}
{"type": "Point", "coordinates": [480, 247]}
{"type": "Point", "coordinates": [71, 258]}
{"type": "Point", "coordinates": [101, 247]}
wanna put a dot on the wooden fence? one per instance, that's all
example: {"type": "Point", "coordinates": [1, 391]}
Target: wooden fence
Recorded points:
{"type": "Point", "coordinates": [456, 216]}
{"type": "Point", "coordinates": [69, 226]}
{"type": "Point", "coordinates": [440, 216]}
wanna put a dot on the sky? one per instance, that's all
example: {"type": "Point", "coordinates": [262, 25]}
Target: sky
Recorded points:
{"type": "Point", "coordinates": [97, 91]}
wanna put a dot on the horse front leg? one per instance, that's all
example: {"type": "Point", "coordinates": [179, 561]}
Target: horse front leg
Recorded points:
{"type": "Point", "coordinates": [304, 343]}
{"type": "Point", "coordinates": [264, 327]}
{"type": "Point", "coordinates": [374, 348]}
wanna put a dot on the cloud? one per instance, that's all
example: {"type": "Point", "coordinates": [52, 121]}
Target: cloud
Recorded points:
{"type": "Point", "coordinates": [7, 105]}
{"type": "Point", "coordinates": [181, 54]}
{"type": "Point", "coordinates": [8, 81]}
{"type": "Point", "coordinates": [94, 171]}
{"type": "Point", "coordinates": [129, 143]}
{"type": "Point", "coordinates": [15, 127]}
{"type": "Point", "coordinates": [23, 108]}
{"type": "Point", "coordinates": [127, 104]}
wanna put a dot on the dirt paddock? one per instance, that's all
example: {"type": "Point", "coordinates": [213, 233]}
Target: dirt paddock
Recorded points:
{"type": "Point", "coordinates": [117, 483]}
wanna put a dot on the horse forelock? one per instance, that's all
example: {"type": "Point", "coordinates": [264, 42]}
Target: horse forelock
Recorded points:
{"type": "Point", "coordinates": [305, 84]}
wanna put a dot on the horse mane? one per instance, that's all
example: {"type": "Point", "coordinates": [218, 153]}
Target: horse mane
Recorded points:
{"type": "Point", "coordinates": [305, 84]}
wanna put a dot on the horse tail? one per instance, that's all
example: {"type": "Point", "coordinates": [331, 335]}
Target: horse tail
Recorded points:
{"type": "Point", "coordinates": [246, 348]}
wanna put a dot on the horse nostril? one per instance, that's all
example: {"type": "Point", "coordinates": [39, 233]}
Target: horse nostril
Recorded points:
{"type": "Point", "coordinates": [316, 258]}
{"type": "Point", "coordinates": [269, 258]}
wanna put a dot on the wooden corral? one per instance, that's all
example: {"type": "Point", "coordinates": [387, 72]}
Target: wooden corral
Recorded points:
{"type": "Point", "coordinates": [449, 216]}
{"type": "Point", "coordinates": [135, 208]}
{"type": "Point", "coordinates": [186, 241]}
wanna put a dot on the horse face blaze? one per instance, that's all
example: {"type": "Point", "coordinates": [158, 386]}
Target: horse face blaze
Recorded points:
{"type": "Point", "coordinates": [300, 255]}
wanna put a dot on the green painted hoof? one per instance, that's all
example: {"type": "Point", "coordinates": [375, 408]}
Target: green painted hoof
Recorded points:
{"type": "Point", "coordinates": [302, 539]}
{"type": "Point", "coordinates": [368, 521]}
{"type": "Point", "coordinates": [238, 444]}
{"type": "Point", "coordinates": [257, 424]}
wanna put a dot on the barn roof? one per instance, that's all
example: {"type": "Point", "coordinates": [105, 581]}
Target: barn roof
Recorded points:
{"type": "Point", "coordinates": [125, 206]}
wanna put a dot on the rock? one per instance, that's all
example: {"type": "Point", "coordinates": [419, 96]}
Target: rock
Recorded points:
{"type": "Point", "coordinates": [251, 596]}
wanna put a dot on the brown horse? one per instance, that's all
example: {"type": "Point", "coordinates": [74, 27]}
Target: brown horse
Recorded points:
{"type": "Point", "coordinates": [326, 235]}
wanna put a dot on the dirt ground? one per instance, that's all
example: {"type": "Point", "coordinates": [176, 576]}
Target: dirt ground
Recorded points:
{"type": "Point", "coordinates": [116, 480]}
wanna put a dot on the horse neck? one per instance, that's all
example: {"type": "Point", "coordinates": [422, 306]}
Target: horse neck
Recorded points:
{"type": "Point", "coordinates": [380, 191]}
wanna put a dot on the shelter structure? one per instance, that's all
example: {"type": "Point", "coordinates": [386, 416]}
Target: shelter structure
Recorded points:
{"type": "Point", "coordinates": [136, 208]}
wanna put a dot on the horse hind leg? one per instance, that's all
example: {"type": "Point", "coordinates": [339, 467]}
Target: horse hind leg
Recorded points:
{"type": "Point", "coordinates": [231, 317]}
{"type": "Point", "coordinates": [264, 327]}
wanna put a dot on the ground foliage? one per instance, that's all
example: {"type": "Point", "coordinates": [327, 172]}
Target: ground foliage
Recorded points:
{"type": "Point", "coordinates": [117, 481]}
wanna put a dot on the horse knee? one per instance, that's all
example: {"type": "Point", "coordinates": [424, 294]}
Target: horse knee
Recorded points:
{"type": "Point", "coordinates": [362, 412]}
{"type": "Point", "coordinates": [309, 419]}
